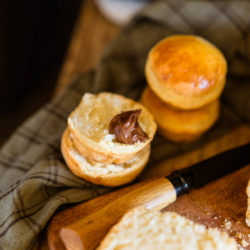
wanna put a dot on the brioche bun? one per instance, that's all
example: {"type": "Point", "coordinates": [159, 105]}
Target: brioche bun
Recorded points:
{"type": "Point", "coordinates": [186, 71]}
{"type": "Point", "coordinates": [180, 125]}
{"type": "Point", "coordinates": [89, 127]}
{"type": "Point", "coordinates": [99, 173]}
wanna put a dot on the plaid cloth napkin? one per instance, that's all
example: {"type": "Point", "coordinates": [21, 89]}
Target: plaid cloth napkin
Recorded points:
{"type": "Point", "coordinates": [34, 180]}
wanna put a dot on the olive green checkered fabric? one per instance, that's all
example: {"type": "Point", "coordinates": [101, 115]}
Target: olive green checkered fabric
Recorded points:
{"type": "Point", "coordinates": [34, 180]}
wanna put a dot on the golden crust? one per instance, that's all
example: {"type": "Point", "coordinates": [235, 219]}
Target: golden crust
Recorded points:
{"type": "Point", "coordinates": [180, 125]}
{"type": "Point", "coordinates": [93, 171]}
{"type": "Point", "coordinates": [186, 71]}
{"type": "Point", "coordinates": [179, 137]}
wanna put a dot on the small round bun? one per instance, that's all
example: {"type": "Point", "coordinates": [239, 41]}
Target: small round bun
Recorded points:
{"type": "Point", "coordinates": [143, 229]}
{"type": "Point", "coordinates": [186, 71]}
{"type": "Point", "coordinates": [99, 173]}
{"type": "Point", "coordinates": [180, 125]}
{"type": "Point", "coordinates": [89, 127]}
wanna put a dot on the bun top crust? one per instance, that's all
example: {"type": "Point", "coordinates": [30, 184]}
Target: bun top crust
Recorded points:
{"type": "Point", "coordinates": [188, 64]}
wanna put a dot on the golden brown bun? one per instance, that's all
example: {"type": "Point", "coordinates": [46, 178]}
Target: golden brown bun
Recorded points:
{"type": "Point", "coordinates": [180, 125]}
{"type": "Point", "coordinates": [99, 173]}
{"type": "Point", "coordinates": [152, 230]}
{"type": "Point", "coordinates": [186, 71]}
{"type": "Point", "coordinates": [248, 204]}
{"type": "Point", "coordinates": [89, 124]}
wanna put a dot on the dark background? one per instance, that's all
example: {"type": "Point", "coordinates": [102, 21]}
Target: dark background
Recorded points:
{"type": "Point", "coordinates": [33, 41]}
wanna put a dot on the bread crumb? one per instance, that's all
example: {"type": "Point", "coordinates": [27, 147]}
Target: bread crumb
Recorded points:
{"type": "Point", "coordinates": [241, 239]}
{"type": "Point", "coordinates": [239, 235]}
{"type": "Point", "coordinates": [227, 224]}
{"type": "Point", "coordinates": [109, 137]}
{"type": "Point", "coordinates": [244, 243]}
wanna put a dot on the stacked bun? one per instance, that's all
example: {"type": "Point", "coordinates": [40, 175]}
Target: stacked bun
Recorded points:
{"type": "Point", "coordinates": [92, 152]}
{"type": "Point", "coordinates": [186, 75]}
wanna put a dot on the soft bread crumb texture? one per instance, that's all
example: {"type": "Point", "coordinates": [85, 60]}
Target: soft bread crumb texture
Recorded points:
{"type": "Point", "coordinates": [141, 229]}
{"type": "Point", "coordinates": [89, 122]}
{"type": "Point", "coordinates": [101, 168]}
{"type": "Point", "coordinates": [100, 173]}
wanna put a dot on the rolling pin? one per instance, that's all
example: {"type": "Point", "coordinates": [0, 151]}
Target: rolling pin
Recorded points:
{"type": "Point", "coordinates": [155, 194]}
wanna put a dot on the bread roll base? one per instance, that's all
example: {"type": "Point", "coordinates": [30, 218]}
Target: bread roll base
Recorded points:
{"type": "Point", "coordinates": [99, 173]}
{"type": "Point", "coordinates": [179, 137]}
{"type": "Point", "coordinates": [180, 125]}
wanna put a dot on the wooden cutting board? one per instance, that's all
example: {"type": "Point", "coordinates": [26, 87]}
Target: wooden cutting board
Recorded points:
{"type": "Point", "coordinates": [220, 204]}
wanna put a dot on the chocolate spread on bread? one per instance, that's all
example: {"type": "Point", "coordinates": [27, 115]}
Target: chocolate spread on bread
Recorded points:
{"type": "Point", "coordinates": [126, 128]}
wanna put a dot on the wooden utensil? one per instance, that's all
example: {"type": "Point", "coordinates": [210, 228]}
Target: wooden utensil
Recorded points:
{"type": "Point", "coordinates": [106, 210]}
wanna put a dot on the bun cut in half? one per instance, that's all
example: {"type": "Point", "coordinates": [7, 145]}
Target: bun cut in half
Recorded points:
{"type": "Point", "coordinates": [99, 173]}
{"type": "Point", "coordinates": [89, 126]}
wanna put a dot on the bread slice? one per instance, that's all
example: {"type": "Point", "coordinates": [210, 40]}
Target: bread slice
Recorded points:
{"type": "Point", "coordinates": [141, 229]}
{"type": "Point", "coordinates": [99, 173]}
{"type": "Point", "coordinates": [248, 204]}
{"type": "Point", "coordinates": [89, 124]}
